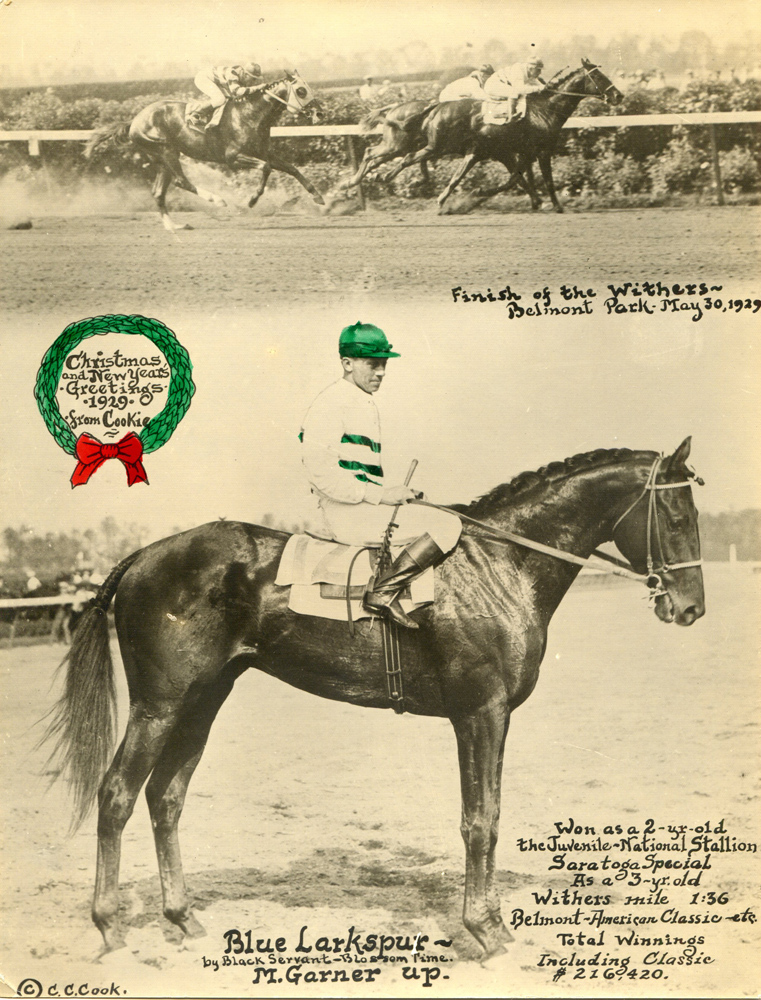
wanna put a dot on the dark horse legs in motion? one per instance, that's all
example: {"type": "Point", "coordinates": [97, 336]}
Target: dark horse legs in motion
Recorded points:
{"type": "Point", "coordinates": [457, 127]}
{"type": "Point", "coordinates": [195, 610]}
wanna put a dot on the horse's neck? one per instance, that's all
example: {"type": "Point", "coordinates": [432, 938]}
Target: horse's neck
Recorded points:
{"type": "Point", "coordinates": [575, 513]}
{"type": "Point", "coordinates": [266, 111]}
{"type": "Point", "coordinates": [559, 107]}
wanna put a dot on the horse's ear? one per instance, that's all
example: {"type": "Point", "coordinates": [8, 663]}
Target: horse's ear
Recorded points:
{"type": "Point", "coordinates": [679, 459]}
{"type": "Point", "coordinates": [586, 63]}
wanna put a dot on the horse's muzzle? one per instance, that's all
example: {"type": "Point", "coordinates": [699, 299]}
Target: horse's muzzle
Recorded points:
{"type": "Point", "coordinates": [679, 609]}
{"type": "Point", "coordinates": [317, 112]}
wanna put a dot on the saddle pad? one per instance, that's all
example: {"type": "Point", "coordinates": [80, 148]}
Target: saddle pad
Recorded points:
{"type": "Point", "coordinates": [308, 562]}
{"type": "Point", "coordinates": [496, 112]}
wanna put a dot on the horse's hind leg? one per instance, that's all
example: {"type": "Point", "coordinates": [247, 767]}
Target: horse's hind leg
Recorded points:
{"type": "Point", "coordinates": [140, 749]}
{"type": "Point", "coordinates": [372, 159]}
{"type": "Point", "coordinates": [407, 161]}
{"type": "Point", "coordinates": [166, 791]}
{"type": "Point", "coordinates": [480, 744]}
{"type": "Point", "coordinates": [172, 160]}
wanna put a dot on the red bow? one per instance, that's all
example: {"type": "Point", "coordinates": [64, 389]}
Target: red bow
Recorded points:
{"type": "Point", "coordinates": [92, 454]}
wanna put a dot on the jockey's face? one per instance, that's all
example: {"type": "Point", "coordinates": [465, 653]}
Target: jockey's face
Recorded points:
{"type": "Point", "coordinates": [366, 373]}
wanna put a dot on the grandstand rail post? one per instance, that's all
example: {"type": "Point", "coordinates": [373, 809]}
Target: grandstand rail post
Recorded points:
{"type": "Point", "coordinates": [354, 164]}
{"type": "Point", "coordinates": [716, 164]}
{"type": "Point", "coordinates": [12, 631]}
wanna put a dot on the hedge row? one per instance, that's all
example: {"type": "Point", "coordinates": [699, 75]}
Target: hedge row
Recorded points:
{"type": "Point", "coordinates": [638, 161]}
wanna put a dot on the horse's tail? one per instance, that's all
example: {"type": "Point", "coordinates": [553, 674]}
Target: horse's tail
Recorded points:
{"type": "Point", "coordinates": [83, 721]}
{"type": "Point", "coordinates": [411, 122]}
{"type": "Point", "coordinates": [116, 134]}
{"type": "Point", "coordinates": [375, 117]}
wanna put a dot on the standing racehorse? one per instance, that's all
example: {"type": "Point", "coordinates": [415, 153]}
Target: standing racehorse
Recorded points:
{"type": "Point", "coordinates": [195, 610]}
{"type": "Point", "coordinates": [242, 139]}
{"type": "Point", "coordinates": [458, 127]}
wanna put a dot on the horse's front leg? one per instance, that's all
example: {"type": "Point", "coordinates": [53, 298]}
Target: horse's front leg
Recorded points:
{"type": "Point", "coordinates": [266, 171]}
{"type": "Point", "coordinates": [480, 745]}
{"type": "Point", "coordinates": [278, 163]}
{"type": "Point", "coordinates": [457, 176]}
{"type": "Point", "coordinates": [545, 165]}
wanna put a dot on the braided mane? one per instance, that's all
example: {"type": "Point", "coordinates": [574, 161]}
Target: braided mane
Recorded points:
{"type": "Point", "coordinates": [526, 481]}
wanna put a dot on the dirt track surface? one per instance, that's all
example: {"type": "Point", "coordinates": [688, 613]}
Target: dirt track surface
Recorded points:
{"type": "Point", "coordinates": [309, 812]}
{"type": "Point", "coordinates": [129, 262]}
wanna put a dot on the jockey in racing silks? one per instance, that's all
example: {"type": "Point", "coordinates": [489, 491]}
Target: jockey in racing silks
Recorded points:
{"type": "Point", "coordinates": [341, 453]}
{"type": "Point", "coordinates": [468, 86]}
{"type": "Point", "coordinates": [220, 83]}
{"type": "Point", "coordinates": [513, 82]}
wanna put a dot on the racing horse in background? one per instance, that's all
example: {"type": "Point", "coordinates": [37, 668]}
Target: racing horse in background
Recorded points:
{"type": "Point", "coordinates": [242, 139]}
{"type": "Point", "coordinates": [402, 135]}
{"type": "Point", "coordinates": [423, 133]}
{"type": "Point", "coordinates": [195, 610]}
{"type": "Point", "coordinates": [458, 127]}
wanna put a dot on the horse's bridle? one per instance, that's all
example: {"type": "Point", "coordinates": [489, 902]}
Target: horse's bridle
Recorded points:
{"type": "Point", "coordinates": [654, 578]}
{"type": "Point", "coordinates": [587, 72]}
{"type": "Point", "coordinates": [286, 103]}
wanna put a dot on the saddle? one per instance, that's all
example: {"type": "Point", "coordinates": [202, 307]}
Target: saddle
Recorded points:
{"type": "Point", "coordinates": [498, 113]}
{"type": "Point", "coordinates": [198, 113]}
{"type": "Point", "coordinates": [319, 571]}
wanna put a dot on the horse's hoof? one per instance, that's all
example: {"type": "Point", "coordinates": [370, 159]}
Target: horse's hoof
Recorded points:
{"type": "Point", "coordinates": [252, 201]}
{"type": "Point", "coordinates": [496, 960]}
{"type": "Point", "coordinates": [112, 941]}
{"type": "Point", "coordinates": [319, 200]}
{"type": "Point", "coordinates": [193, 928]}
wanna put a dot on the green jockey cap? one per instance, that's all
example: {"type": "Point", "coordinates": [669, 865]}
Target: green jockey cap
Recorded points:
{"type": "Point", "coordinates": [364, 340]}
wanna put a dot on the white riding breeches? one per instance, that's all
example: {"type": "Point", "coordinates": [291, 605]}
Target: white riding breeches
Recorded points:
{"type": "Point", "coordinates": [363, 523]}
{"type": "Point", "coordinates": [207, 86]}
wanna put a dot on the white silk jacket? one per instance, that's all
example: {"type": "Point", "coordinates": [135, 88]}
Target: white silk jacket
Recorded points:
{"type": "Point", "coordinates": [340, 445]}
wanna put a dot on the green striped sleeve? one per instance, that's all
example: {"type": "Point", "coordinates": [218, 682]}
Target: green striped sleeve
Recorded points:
{"type": "Point", "coordinates": [361, 439]}
{"type": "Point", "coordinates": [373, 470]}
{"type": "Point", "coordinates": [364, 479]}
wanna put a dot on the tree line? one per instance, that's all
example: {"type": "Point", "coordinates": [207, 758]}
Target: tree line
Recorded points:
{"type": "Point", "coordinates": [53, 558]}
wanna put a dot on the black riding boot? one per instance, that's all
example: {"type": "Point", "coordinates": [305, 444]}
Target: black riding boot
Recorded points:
{"type": "Point", "coordinates": [383, 595]}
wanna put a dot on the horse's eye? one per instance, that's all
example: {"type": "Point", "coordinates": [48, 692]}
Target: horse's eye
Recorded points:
{"type": "Point", "coordinates": [301, 92]}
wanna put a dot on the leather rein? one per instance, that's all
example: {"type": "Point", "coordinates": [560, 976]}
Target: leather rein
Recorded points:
{"type": "Point", "coordinates": [574, 93]}
{"type": "Point", "coordinates": [611, 565]}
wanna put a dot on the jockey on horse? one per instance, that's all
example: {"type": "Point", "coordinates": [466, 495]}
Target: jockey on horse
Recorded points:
{"type": "Point", "coordinates": [511, 84]}
{"type": "Point", "coordinates": [471, 85]}
{"type": "Point", "coordinates": [221, 84]}
{"type": "Point", "coordinates": [341, 455]}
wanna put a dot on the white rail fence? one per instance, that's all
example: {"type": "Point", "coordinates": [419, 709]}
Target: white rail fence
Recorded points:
{"type": "Point", "coordinates": [59, 623]}
{"type": "Point", "coordinates": [33, 137]}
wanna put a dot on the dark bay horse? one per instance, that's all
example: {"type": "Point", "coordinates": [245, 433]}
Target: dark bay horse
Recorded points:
{"type": "Point", "coordinates": [195, 610]}
{"type": "Point", "coordinates": [242, 139]}
{"type": "Point", "coordinates": [458, 127]}
{"type": "Point", "coordinates": [402, 136]}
